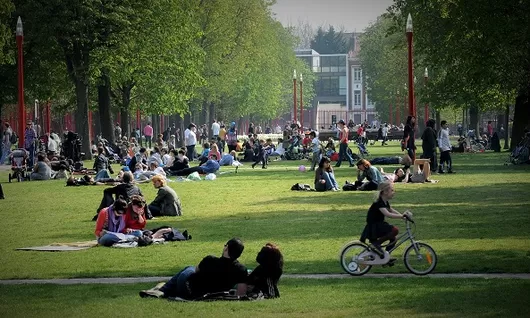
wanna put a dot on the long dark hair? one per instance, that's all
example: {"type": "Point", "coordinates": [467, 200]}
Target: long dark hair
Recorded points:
{"type": "Point", "coordinates": [324, 160]}
{"type": "Point", "coordinates": [270, 258]}
{"type": "Point", "coordinates": [409, 121]}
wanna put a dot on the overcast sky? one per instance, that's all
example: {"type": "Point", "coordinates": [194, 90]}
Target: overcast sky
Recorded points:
{"type": "Point", "coordinates": [353, 15]}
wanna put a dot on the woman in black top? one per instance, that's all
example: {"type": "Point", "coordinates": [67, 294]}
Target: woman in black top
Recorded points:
{"type": "Point", "coordinates": [377, 230]}
{"type": "Point", "coordinates": [264, 278]}
{"type": "Point", "coordinates": [409, 138]}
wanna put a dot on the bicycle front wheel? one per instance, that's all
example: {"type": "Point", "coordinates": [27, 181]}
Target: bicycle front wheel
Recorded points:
{"type": "Point", "coordinates": [351, 259]}
{"type": "Point", "coordinates": [420, 260]}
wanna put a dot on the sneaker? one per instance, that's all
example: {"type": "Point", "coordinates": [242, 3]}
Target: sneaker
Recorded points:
{"type": "Point", "coordinates": [377, 249]}
{"type": "Point", "coordinates": [151, 293]}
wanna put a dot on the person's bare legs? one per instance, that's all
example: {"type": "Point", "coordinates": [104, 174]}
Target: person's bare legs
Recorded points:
{"type": "Point", "coordinates": [160, 233]}
{"type": "Point", "coordinates": [427, 171]}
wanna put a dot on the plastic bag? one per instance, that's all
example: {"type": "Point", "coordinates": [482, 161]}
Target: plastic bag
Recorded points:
{"type": "Point", "coordinates": [194, 176]}
{"type": "Point", "coordinates": [210, 176]}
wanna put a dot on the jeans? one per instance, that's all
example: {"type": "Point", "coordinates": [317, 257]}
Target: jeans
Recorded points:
{"type": "Point", "coordinates": [176, 286]}
{"type": "Point", "coordinates": [148, 139]}
{"type": "Point", "coordinates": [316, 159]}
{"type": "Point", "coordinates": [102, 174]}
{"type": "Point", "coordinates": [31, 157]}
{"type": "Point", "coordinates": [343, 151]}
{"type": "Point", "coordinates": [110, 238]}
{"type": "Point", "coordinates": [6, 150]}
{"type": "Point", "coordinates": [190, 151]}
{"type": "Point", "coordinates": [385, 161]}
{"type": "Point", "coordinates": [331, 182]}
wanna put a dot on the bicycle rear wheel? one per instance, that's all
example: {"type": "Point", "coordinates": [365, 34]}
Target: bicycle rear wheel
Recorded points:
{"type": "Point", "coordinates": [421, 262]}
{"type": "Point", "coordinates": [351, 258]}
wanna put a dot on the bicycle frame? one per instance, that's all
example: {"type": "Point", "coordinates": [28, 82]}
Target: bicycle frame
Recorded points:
{"type": "Point", "coordinates": [407, 236]}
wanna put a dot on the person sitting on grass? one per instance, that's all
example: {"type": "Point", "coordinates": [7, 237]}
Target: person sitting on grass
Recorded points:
{"type": "Point", "coordinates": [42, 170]}
{"type": "Point", "coordinates": [135, 218]}
{"type": "Point", "coordinates": [214, 150]}
{"type": "Point", "coordinates": [324, 177]}
{"type": "Point", "coordinates": [264, 278]}
{"type": "Point", "coordinates": [125, 190]}
{"type": "Point", "coordinates": [205, 151]}
{"type": "Point", "coordinates": [370, 173]}
{"type": "Point", "coordinates": [180, 162]}
{"type": "Point", "coordinates": [102, 165]}
{"type": "Point", "coordinates": [210, 166]}
{"type": "Point", "coordinates": [167, 202]}
{"type": "Point", "coordinates": [214, 274]}
{"type": "Point", "coordinates": [111, 224]}
{"type": "Point", "coordinates": [377, 231]}
{"type": "Point", "coordinates": [228, 159]}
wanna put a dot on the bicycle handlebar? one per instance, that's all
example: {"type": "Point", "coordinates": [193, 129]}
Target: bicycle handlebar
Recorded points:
{"type": "Point", "coordinates": [408, 218]}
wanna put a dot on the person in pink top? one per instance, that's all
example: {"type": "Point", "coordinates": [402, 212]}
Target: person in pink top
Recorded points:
{"type": "Point", "coordinates": [148, 133]}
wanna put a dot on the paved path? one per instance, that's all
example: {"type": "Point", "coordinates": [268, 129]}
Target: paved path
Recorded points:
{"type": "Point", "coordinates": [133, 280]}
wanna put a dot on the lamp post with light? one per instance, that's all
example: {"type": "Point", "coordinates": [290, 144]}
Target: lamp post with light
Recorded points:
{"type": "Point", "coordinates": [295, 101]}
{"type": "Point", "coordinates": [21, 110]}
{"type": "Point", "coordinates": [301, 103]}
{"type": "Point", "coordinates": [412, 111]}
{"type": "Point", "coordinates": [426, 76]}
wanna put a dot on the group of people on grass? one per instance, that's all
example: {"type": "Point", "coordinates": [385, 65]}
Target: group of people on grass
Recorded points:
{"type": "Point", "coordinates": [222, 274]}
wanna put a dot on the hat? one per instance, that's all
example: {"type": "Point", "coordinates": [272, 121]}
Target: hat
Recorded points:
{"type": "Point", "coordinates": [341, 122]}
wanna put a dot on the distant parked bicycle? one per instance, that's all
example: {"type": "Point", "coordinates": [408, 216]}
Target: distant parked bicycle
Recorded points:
{"type": "Point", "coordinates": [357, 258]}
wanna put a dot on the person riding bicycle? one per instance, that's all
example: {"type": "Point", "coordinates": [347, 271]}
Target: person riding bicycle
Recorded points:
{"type": "Point", "coordinates": [377, 230]}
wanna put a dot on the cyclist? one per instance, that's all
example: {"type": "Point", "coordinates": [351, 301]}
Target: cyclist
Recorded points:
{"type": "Point", "coordinates": [377, 230]}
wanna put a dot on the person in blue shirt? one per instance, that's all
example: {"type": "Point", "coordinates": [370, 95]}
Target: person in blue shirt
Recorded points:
{"type": "Point", "coordinates": [210, 166]}
{"type": "Point", "coordinates": [366, 171]}
{"type": "Point", "coordinates": [228, 159]}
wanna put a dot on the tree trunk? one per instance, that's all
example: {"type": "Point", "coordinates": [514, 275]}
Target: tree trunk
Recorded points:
{"type": "Point", "coordinates": [97, 123]}
{"type": "Point", "coordinates": [506, 127]}
{"type": "Point", "coordinates": [438, 120]}
{"type": "Point", "coordinates": [473, 119]}
{"type": "Point", "coordinates": [521, 117]}
{"type": "Point", "coordinates": [179, 124]}
{"type": "Point", "coordinates": [212, 114]}
{"type": "Point", "coordinates": [125, 112]}
{"type": "Point", "coordinates": [105, 115]}
{"type": "Point", "coordinates": [81, 115]}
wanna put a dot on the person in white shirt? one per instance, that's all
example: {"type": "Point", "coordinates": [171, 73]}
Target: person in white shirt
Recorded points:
{"type": "Point", "coordinates": [445, 149]}
{"type": "Point", "coordinates": [384, 132]}
{"type": "Point", "coordinates": [167, 160]}
{"type": "Point", "coordinates": [190, 140]}
{"type": "Point", "coordinates": [215, 129]}
{"type": "Point", "coordinates": [6, 143]}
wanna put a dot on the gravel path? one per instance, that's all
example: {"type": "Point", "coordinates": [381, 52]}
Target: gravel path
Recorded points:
{"type": "Point", "coordinates": [133, 280]}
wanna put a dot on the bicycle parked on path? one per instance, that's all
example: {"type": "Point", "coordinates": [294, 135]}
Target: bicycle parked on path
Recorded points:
{"type": "Point", "coordinates": [357, 258]}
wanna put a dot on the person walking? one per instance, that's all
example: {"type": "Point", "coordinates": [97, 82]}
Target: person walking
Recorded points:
{"type": "Point", "coordinates": [445, 148]}
{"type": "Point", "coordinates": [30, 135]}
{"type": "Point", "coordinates": [148, 133]}
{"type": "Point", "coordinates": [6, 143]}
{"type": "Point", "coordinates": [343, 149]}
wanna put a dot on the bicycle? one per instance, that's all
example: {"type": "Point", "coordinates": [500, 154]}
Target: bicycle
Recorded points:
{"type": "Point", "coordinates": [357, 258]}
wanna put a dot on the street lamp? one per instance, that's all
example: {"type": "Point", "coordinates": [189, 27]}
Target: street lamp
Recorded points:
{"type": "Point", "coordinates": [301, 102]}
{"type": "Point", "coordinates": [411, 80]}
{"type": "Point", "coordinates": [294, 95]}
{"type": "Point", "coordinates": [426, 76]}
{"type": "Point", "coordinates": [21, 111]}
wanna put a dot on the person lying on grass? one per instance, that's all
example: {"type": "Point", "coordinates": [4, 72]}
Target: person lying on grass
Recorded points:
{"type": "Point", "coordinates": [264, 278]}
{"type": "Point", "coordinates": [377, 231]}
{"type": "Point", "coordinates": [213, 274]}
{"type": "Point", "coordinates": [403, 175]}
{"type": "Point", "coordinates": [110, 224]}
{"type": "Point", "coordinates": [210, 166]}
{"type": "Point", "coordinates": [324, 177]}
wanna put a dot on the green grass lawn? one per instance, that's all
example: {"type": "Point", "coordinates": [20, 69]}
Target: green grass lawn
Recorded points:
{"type": "Point", "coordinates": [477, 220]}
{"type": "Point", "coordinates": [393, 297]}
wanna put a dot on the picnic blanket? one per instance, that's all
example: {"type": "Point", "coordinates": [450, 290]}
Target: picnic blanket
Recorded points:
{"type": "Point", "coordinates": [61, 247]}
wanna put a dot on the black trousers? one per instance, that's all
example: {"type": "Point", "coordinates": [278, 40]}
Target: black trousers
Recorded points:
{"type": "Point", "coordinates": [445, 157]}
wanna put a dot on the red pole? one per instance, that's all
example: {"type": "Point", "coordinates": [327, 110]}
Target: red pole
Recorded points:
{"type": "Point", "coordinates": [294, 95]}
{"type": "Point", "coordinates": [138, 117]}
{"type": "Point", "coordinates": [48, 118]}
{"type": "Point", "coordinates": [21, 111]}
{"type": "Point", "coordinates": [301, 104]}
{"type": "Point", "coordinates": [426, 103]}
{"type": "Point", "coordinates": [410, 67]}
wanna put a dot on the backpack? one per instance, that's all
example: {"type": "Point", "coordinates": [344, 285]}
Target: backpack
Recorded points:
{"type": "Point", "coordinates": [301, 187]}
{"type": "Point", "coordinates": [13, 139]}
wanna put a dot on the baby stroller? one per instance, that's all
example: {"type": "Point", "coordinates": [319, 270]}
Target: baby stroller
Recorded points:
{"type": "Point", "coordinates": [19, 168]}
{"type": "Point", "coordinates": [363, 151]}
{"type": "Point", "coordinates": [521, 153]}
{"type": "Point", "coordinates": [294, 152]}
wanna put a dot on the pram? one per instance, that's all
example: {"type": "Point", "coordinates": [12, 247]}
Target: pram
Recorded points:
{"type": "Point", "coordinates": [363, 151]}
{"type": "Point", "coordinates": [19, 168]}
{"type": "Point", "coordinates": [294, 151]}
{"type": "Point", "coordinates": [521, 153]}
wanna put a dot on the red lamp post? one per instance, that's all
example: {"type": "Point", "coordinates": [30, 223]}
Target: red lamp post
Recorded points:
{"type": "Point", "coordinates": [21, 111]}
{"type": "Point", "coordinates": [390, 113]}
{"type": "Point", "coordinates": [412, 111]}
{"type": "Point", "coordinates": [138, 118]}
{"type": "Point", "coordinates": [301, 103]}
{"type": "Point", "coordinates": [294, 95]}
{"type": "Point", "coordinates": [426, 76]}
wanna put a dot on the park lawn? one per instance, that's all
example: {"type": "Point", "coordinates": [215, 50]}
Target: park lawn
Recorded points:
{"type": "Point", "coordinates": [477, 221]}
{"type": "Point", "coordinates": [370, 297]}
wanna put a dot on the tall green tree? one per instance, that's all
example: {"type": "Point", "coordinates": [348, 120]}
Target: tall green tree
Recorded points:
{"type": "Point", "coordinates": [331, 42]}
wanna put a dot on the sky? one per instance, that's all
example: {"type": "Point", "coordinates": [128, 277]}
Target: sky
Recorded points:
{"type": "Point", "coordinates": [353, 15]}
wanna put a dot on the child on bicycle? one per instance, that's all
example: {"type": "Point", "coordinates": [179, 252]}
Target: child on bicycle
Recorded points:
{"type": "Point", "coordinates": [377, 230]}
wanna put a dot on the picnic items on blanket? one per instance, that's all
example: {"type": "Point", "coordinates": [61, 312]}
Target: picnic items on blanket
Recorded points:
{"type": "Point", "coordinates": [194, 176]}
{"type": "Point", "coordinates": [61, 247]}
{"type": "Point", "coordinates": [210, 177]}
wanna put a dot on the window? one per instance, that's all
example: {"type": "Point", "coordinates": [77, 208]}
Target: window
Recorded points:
{"type": "Point", "coordinates": [357, 74]}
{"type": "Point", "coordinates": [342, 85]}
{"type": "Point", "coordinates": [328, 86]}
{"type": "Point", "coordinates": [357, 98]}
